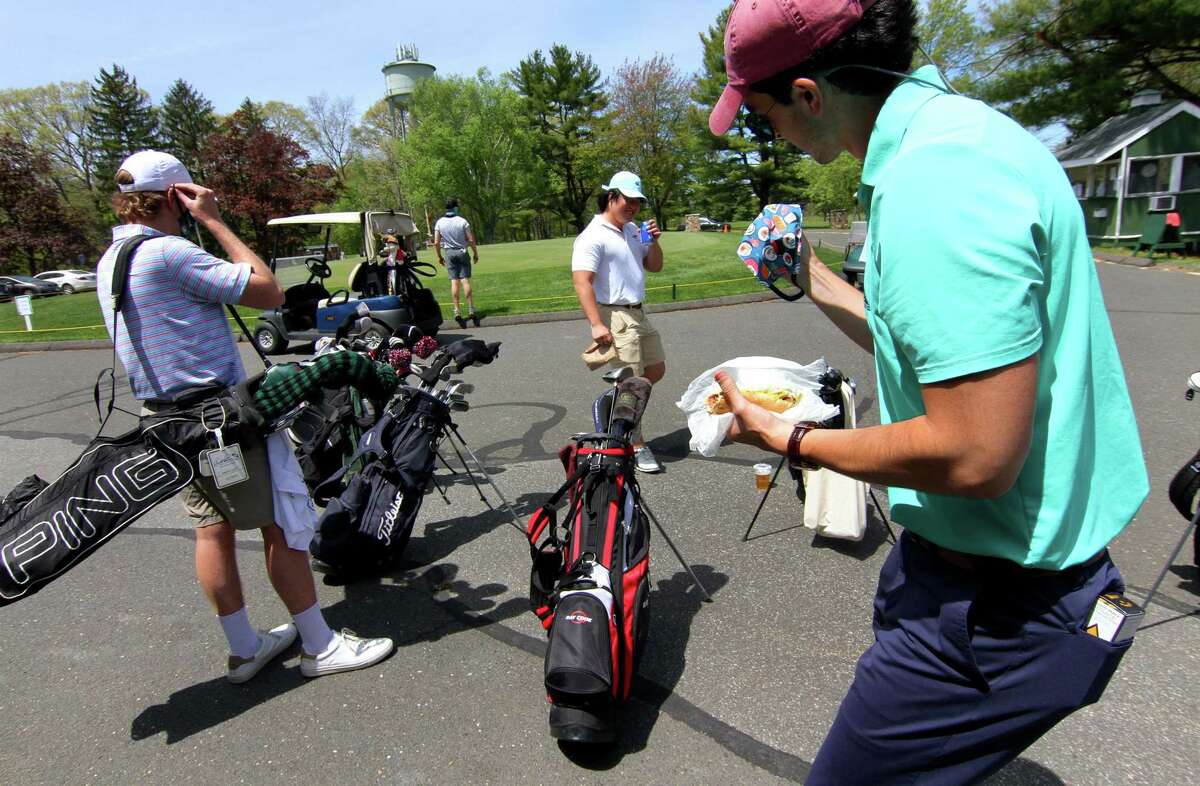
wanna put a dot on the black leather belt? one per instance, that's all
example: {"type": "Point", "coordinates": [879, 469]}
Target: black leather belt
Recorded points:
{"type": "Point", "coordinates": [620, 305]}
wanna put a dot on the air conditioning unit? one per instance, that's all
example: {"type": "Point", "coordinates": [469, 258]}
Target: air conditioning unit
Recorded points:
{"type": "Point", "coordinates": [1161, 204]}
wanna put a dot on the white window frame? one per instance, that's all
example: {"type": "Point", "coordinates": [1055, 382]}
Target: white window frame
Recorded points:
{"type": "Point", "coordinates": [1174, 181]}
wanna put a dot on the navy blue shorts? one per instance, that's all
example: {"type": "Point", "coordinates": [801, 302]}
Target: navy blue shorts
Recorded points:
{"type": "Point", "coordinates": [967, 670]}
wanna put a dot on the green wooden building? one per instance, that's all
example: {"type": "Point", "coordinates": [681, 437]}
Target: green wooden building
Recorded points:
{"type": "Point", "coordinates": [1135, 167]}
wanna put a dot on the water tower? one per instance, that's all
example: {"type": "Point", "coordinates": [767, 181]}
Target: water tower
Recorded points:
{"type": "Point", "coordinates": [400, 77]}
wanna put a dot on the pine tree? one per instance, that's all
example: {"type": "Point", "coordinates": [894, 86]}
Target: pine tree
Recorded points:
{"type": "Point", "coordinates": [563, 101]}
{"type": "Point", "coordinates": [742, 171]}
{"type": "Point", "coordinates": [187, 120]}
{"type": "Point", "coordinates": [121, 121]}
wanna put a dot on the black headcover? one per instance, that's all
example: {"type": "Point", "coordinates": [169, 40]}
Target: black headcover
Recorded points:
{"type": "Point", "coordinates": [472, 351]}
{"type": "Point", "coordinates": [630, 404]}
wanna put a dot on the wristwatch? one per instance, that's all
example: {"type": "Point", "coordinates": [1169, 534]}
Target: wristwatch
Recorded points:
{"type": "Point", "coordinates": [793, 446]}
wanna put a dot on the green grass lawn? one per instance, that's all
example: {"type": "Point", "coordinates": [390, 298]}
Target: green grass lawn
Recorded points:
{"type": "Point", "coordinates": [511, 278]}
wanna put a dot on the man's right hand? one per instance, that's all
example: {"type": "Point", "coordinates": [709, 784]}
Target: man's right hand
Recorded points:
{"type": "Point", "coordinates": [602, 335]}
{"type": "Point", "coordinates": [201, 202]}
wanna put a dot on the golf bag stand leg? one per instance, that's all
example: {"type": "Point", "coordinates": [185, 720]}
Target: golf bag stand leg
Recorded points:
{"type": "Point", "coordinates": [1171, 560]}
{"type": "Point", "coordinates": [763, 501]}
{"type": "Point", "coordinates": [508, 508]}
{"type": "Point", "coordinates": [467, 470]}
{"type": "Point", "coordinates": [654, 519]}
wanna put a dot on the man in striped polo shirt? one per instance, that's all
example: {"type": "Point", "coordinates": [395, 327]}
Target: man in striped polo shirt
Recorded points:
{"type": "Point", "coordinates": [172, 335]}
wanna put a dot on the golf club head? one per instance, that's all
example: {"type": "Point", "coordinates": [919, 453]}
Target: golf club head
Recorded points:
{"type": "Point", "coordinates": [464, 388]}
{"type": "Point", "coordinates": [459, 406]}
{"type": "Point", "coordinates": [617, 375]}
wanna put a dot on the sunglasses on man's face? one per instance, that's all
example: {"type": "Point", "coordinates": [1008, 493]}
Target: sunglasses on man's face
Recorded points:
{"type": "Point", "coordinates": [759, 124]}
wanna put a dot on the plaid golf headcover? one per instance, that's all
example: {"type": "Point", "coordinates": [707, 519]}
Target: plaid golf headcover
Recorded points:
{"type": "Point", "coordinates": [286, 385]}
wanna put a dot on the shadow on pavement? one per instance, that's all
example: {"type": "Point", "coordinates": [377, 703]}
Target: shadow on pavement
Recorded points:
{"type": "Point", "coordinates": [1024, 772]}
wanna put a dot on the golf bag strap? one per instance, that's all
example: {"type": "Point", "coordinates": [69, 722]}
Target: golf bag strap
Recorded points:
{"type": "Point", "coordinates": [117, 290]}
{"type": "Point", "coordinates": [249, 337]}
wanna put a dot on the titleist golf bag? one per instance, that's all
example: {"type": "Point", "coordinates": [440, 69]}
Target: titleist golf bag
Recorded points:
{"type": "Point", "coordinates": [591, 587]}
{"type": "Point", "coordinates": [366, 528]}
{"type": "Point", "coordinates": [47, 529]}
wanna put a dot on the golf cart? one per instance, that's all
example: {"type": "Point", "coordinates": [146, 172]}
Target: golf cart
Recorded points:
{"type": "Point", "coordinates": [394, 298]}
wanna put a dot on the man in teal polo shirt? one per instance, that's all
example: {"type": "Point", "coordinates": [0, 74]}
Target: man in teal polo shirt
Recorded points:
{"type": "Point", "coordinates": [1007, 440]}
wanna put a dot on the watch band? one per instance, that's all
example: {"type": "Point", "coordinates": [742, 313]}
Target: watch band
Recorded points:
{"type": "Point", "coordinates": [793, 446]}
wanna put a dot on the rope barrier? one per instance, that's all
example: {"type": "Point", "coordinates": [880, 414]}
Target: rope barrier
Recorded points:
{"type": "Point", "coordinates": [518, 300]}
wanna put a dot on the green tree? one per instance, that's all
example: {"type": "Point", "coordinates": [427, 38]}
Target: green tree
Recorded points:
{"type": "Point", "coordinates": [832, 186]}
{"type": "Point", "coordinates": [187, 120]}
{"type": "Point", "coordinates": [35, 226]}
{"type": "Point", "coordinates": [738, 173]}
{"type": "Point", "coordinates": [260, 175]}
{"type": "Point", "coordinates": [951, 35]}
{"type": "Point", "coordinates": [650, 113]}
{"type": "Point", "coordinates": [468, 140]}
{"type": "Point", "coordinates": [1080, 61]}
{"type": "Point", "coordinates": [121, 121]}
{"type": "Point", "coordinates": [53, 119]}
{"type": "Point", "coordinates": [563, 102]}
{"type": "Point", "coordinates": [285, 119]}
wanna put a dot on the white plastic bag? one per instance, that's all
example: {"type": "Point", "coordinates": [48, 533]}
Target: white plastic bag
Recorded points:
{"type": "Point", "coordinates": [752, 373]}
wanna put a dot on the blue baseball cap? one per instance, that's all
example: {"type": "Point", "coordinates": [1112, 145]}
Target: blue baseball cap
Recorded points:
{"type": "Point", "coordinates": [771, 245]}
{"type": "Point", "coordinates": [627, 183]}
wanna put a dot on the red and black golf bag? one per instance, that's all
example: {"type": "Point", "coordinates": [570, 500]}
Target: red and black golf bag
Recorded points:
{"type": "Point", "coordinates": [590, 585]}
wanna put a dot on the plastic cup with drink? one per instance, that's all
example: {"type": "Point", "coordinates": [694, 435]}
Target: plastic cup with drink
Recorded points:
{"type": "Point", "coordinates": [762, 476]}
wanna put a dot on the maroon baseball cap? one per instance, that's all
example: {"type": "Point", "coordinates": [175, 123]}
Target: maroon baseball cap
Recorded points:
{"type": "Point", "coordinates": [764, 37]}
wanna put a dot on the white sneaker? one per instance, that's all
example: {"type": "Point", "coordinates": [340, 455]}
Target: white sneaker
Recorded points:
{"type": "Point", "coordinates": [270, 644]}
{"type": "Point", "coordinates": [346, 653]}
{"type": "Point", "coordinates": [644, 460]}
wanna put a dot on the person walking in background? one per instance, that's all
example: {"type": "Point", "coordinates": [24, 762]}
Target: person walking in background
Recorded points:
{"type": "Point", "coordinates": [1007, 437]}
{"type": "Point", "coordinates": [608, 268]}
{"type": "Point", "coordinates": [451, 236]}
{"type": "Point", "coordinates": [172, 335]}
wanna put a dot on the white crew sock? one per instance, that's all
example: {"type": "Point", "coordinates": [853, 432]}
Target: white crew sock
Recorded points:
{"type": "Point", "coordinates": [315, 633]}
{"type": "Point", "coordinates": [242, 637]}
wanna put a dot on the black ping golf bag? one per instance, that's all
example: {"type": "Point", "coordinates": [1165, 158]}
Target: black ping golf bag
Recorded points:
{"type": "Point", "coordinates": [591, 587]}
{"type": "Point", "coordinates": [47, 529]}
{"type": "Point", "coordinates": [366, 528]}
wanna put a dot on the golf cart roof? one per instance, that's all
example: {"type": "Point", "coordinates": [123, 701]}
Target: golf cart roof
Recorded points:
{"type": "Point", "coordinates": [318, 218]}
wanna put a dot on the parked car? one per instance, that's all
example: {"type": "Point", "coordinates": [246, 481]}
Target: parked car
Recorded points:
{"type": "Point", "coordinates": [706, 225]}
{"type": "Point", "coordinates": [70, 281]}
{"type": "Point", "coordinates": [7, 291]}
{"type": "Point", "coordinates": [852, 264]}
{"type": "Point", "coordinates": [28, 285]}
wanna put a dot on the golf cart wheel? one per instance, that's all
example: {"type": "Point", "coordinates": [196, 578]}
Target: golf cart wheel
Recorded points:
{"type": "Point", "coordinates": [374, 336]}
{"type": "Point", "coordinates": [269, 340]}
{"type": "Point", "coordinates": [68, 289]}
{"type": "Point", "coordinates": [851, 278]}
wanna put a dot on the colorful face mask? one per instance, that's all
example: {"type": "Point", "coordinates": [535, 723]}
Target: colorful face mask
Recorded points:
{"type": "Point", "coordinates": [771, 245]}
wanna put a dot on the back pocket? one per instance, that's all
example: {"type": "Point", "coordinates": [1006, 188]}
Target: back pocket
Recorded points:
{"type": "Point", "coordinates": [579, 658]}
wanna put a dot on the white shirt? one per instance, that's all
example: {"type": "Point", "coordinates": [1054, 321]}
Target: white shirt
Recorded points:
{"type": "Point", "coordinates": [452, 231]}
{"type": "Point", "coordinates": [615, 256]}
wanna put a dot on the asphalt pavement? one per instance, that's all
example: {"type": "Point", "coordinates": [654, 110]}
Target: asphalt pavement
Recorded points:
{"type": "Point", "coordinates": [114, 673]}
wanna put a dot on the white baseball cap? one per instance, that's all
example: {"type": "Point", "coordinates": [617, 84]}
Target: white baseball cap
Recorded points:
{"type": "Point", "coordinates": [153, 171]}
{"type": "Point", "coordinates": [627, 183]}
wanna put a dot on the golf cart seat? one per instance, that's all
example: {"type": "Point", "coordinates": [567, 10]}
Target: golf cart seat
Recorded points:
{"type": "Point", "coordinates": [302, 301]}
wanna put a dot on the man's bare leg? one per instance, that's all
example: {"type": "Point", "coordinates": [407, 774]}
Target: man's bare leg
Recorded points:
{"type": "Point", "coordinates": [216, 568]}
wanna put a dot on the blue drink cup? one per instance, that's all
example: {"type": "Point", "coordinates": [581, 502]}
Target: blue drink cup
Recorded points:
{"type": "Point", "coordinates": [644, 234]}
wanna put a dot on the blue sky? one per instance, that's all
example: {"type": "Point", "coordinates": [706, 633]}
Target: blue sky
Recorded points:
{"type": "Point", "coordinates": [270, 50]}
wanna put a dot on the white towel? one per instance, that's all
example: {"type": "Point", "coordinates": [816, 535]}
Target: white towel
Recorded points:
{"type": "Point", "coordinates": [835, 505]}
{"type": "Point", "coordinates": [295, 512]}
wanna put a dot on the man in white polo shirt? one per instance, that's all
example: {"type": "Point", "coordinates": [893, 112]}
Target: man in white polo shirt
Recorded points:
{"type": "Point", "coordinates": [608, 267]}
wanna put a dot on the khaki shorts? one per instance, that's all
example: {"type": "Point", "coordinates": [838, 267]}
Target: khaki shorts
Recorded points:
{"type": "Point", "coordinates": [638, 343]}
{"type": "Point", "coordinates": [246, 505]}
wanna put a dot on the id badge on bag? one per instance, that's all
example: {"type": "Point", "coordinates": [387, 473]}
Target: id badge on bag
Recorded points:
{"type": "Point", "coordinates": [227, 466]}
